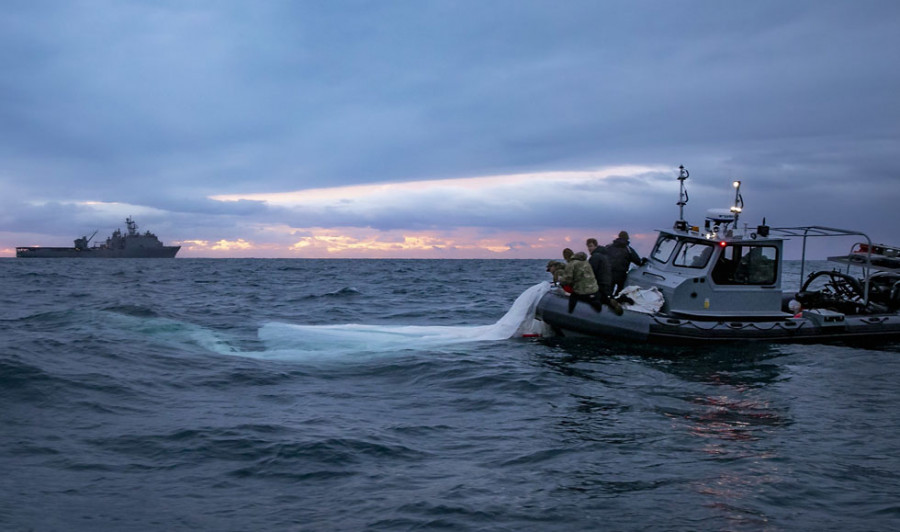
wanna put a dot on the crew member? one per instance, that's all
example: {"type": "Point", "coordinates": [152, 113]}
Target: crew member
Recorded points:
{"type": "Point", "coordinates": [621, 257]}
{"type": "Point", "coordinates": [579, 274]}
{"type": "Point", "coordinates": [556, 268]}
{"type": "Point", "coordinates": [600, 265]}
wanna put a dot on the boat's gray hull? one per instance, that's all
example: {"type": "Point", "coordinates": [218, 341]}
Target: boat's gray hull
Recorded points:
{"type": "Point", "coordinates": [164, 252]}
{"type": "Point", "coordinates": [552, 309]}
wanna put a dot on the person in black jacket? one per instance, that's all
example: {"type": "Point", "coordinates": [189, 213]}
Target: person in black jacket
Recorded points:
{"type": "Point", "coordinates": [600, 264]}
{"type": "Point", "coordinates": [602, 273]}
{"type": "Point", "coordinates": [621, 257]}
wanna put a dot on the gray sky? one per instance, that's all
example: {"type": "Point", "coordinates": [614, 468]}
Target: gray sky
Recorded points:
{"type": "Point", "coordinates": [441, 129]}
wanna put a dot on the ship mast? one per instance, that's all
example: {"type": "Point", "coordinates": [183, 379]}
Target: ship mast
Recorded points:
{"type": "Point", "coordinates": [683, 174]}
{"type": "Point", "coordinates": [738, 203]}
{"type": "Point", "coordinates": [132, 227]}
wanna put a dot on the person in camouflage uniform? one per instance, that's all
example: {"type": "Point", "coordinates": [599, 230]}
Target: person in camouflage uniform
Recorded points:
{"type": "Point", "coordinates": [556, 268]}
{"type": "Point", "coordinates": [579, 274]}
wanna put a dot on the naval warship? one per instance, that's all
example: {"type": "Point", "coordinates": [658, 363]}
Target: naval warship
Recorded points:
{"type": "Point", "coordinates": [131, 245]}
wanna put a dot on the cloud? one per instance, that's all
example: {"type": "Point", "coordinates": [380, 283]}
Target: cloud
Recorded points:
{"type": "Point", "coordinates": [497, 202]}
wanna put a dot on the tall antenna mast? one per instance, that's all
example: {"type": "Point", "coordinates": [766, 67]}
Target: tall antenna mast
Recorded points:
{"type": "Point", "coordinates": [683, 174]}
{"type": "Point", "coordinates": [738, 203]}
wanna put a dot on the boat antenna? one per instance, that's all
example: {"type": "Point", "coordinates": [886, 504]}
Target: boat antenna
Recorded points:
{"type": "Point", "coordinates": [738, 202]}
{"type": "Point", "coordinates": [683, 174]}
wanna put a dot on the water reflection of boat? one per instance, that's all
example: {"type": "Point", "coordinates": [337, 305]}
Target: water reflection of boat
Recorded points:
{"type": "Point", "coordinates": [722, 283]}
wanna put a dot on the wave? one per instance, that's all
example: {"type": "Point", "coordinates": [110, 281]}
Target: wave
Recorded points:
{"type": "Point", "coordinates": [343, 292]}
{"type": "Point", "coordinates": [293, 341]}
{"type": "Point", "coordinates": [137, 311]}
{"type": "Point", "coordinates": [130, 322]}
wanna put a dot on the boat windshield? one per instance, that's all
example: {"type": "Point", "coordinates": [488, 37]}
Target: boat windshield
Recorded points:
{"type": "Point", "coordinates": [664, 247]}
{"type": "Point", "coordinates": [693, 254]}
{"type": "Point", "coordinates": [746, 264]}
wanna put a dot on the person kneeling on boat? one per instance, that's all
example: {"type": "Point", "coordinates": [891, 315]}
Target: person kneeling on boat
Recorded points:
{"type": "Point", "coordinates": [578, 273]}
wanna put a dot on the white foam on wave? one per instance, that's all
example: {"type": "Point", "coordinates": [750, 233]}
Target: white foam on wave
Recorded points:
{"type": "Point", "coordinates": [292, 341]}
{"type": "Point", "coordinates": [167, 331]}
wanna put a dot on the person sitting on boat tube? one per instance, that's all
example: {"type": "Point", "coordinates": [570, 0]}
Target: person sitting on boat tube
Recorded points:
{"type": "Point", "coordinates": [621, 257]}
{"type": "Point", "coordinates": [579, 274]}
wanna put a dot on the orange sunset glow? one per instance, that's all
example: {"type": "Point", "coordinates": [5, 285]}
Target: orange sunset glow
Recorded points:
{"type": "Point", "coordinates": [366, 243]}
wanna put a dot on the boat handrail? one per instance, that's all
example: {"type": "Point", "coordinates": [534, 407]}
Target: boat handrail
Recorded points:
{"type": "Point", "coordinates": [822, 231]}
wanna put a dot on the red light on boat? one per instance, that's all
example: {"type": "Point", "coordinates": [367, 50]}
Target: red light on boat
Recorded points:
{"type": "Point", "coordinates": [722, 244]}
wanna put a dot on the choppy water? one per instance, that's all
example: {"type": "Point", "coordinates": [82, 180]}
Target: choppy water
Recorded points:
{"type": "Point", "coordinates": [387, 395]}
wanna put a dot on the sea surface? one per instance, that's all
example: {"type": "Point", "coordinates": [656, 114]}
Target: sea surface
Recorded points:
{"type": "Point", "coordinates": [255, 395]}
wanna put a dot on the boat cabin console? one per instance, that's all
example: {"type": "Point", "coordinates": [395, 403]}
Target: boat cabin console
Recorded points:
{"type": "Point", "coordinates": [708, 275]}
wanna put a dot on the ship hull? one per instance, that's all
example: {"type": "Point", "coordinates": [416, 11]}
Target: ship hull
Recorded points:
{"type": "Point", "coordinates": [552, 309]}
{"type": "Point", "coordinates": [164, 252]}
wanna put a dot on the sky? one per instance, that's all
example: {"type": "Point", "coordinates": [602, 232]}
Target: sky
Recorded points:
{"type": "Point", "coordinates": [441, 129]}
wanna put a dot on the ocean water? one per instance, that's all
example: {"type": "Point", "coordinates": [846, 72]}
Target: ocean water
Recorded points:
{"type": "Point", "coordinates": [252, 395]}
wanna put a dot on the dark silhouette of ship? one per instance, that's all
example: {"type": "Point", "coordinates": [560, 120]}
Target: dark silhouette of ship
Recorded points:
{"type": "Point", "coordinates": [132, 245]}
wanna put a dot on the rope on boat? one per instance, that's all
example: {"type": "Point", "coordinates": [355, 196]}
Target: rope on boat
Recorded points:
{"type": "Point", "coordinates": [785, 325]}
